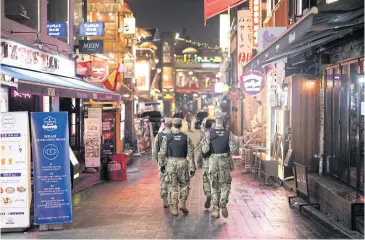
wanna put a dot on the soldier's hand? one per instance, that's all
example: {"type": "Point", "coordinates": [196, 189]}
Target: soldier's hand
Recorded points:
{"type": "Point", "coordinates": [163, 169]}
{"type": "Point", "coordinates": [192, 173]}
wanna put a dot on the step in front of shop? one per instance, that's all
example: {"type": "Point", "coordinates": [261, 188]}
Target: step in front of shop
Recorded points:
{"type": "Point", "coordinates": [86, 180]}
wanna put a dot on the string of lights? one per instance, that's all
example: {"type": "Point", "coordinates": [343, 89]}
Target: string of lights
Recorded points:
{"type": "Point", "coordinates": [199, 44]}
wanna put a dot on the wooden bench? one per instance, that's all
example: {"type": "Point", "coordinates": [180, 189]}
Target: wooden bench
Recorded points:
{"type": "Point", "coordinates": [266, 166]}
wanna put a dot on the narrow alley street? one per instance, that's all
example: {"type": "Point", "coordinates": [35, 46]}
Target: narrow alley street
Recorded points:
{"type": "Point", "coordinates": [133, 209]}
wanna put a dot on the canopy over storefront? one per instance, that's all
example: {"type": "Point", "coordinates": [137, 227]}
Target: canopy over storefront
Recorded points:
{"type": "Point", "coordinates": [321, 25]}
{"type": "Point", "coordinates": [39, 83]}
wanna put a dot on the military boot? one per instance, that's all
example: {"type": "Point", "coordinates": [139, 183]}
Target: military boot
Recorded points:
{"type": "Point", "coordinates": [207, 201]}
{"type": "Point", "coordinates": [173, 209]}
{"type": "Point", "coordinates": [183, 208]}
{"type": "Point", "coordinates": [215, 212]}
{"type": "Point", "coordinates": [165, 203]}
{"type": "Point", "coordinates": [225, 212]}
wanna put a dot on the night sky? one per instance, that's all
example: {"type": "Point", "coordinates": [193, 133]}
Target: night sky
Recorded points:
{"type": "Point", "coordinates": [174, 15]}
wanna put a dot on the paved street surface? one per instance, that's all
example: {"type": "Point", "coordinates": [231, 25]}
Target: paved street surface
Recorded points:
{"type": "Point", "coordinates": [133, 209]}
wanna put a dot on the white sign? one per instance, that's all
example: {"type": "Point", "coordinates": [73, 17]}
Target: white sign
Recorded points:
{"type": "Point", "coordinates": [15, 187]}
{"type": "Point", "coordinates": [18, 55]}
{"type": "Point", "coordinates": [267, 35]}
{"type": "Point", "coordinates": [95, 113]}
{"type": "Point", "coordinates": [92, 142]}
{"type": "Point", "coordinates": [244, 52]}
{"type": "Point", "coordinates": [4, 97]}
{"type": "Point", "coordinates": [363, 108]}
{"type": "Point", "coordinates": [224, 28]}
{"type": "Point", "coordinates": [129, 26]}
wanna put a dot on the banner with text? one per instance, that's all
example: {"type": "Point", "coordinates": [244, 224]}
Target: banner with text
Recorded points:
{"type": "Point", "coordinates": [92, 142]}
{"type": "Point", "coordinates": [15, 170]}
{"type": "Point", "coordinates": [52, 180]}
{"type": "Point", "coordinates": [244, 52]}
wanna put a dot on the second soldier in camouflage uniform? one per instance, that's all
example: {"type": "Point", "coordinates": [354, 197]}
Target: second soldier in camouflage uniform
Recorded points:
{"type": "Point", "coordinates": [176, 157]}
{"type": "Point", "coordinates": [155, 149]}
{"type": "Point", "coordinates": [220, 143]}
{"type": "Point", "coordinates": [203, 162]}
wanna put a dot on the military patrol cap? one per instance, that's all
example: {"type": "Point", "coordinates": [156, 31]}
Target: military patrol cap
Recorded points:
{"type": "Point", "coordinates": [176, 121]}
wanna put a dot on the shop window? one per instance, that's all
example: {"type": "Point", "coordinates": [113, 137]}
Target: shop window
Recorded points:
{"type": "Point", "coordinates": [57, 12]}
{"type": "Point", "coordinates": [23, 11]}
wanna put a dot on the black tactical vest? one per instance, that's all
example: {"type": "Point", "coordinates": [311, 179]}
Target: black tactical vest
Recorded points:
{"type": "Point", "coordinates": [177, 145]}
{"type": "Point", "coordinates": [159, 140]}
{"type": "Point", "coordinates": [219, 141]}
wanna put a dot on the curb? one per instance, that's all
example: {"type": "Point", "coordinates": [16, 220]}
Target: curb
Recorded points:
{"type": "Point", "coordinates": [329, 223]}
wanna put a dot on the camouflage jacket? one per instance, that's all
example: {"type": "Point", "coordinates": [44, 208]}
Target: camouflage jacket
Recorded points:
{"type": "Point", "coordinates": [155, 145]}
{"type": "Point", "coordinates": [162, 154]}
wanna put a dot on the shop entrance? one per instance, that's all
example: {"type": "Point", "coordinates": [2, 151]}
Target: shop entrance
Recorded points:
{"type": "Point", "coordinates": [344, 123]}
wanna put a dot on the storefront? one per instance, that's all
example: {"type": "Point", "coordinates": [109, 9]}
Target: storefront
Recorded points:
{"type": "Point", "coordinates": [316, 105]}
{"type": "Point", "coordinates": [36, 81]}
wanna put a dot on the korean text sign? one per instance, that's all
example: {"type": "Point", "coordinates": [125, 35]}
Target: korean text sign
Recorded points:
{"type": "Point", "coordinates": [90, 29]}
{"type": "Point", "coordinates": [57, 29]}
{"type": "Point", "coordinates": [52, 181]}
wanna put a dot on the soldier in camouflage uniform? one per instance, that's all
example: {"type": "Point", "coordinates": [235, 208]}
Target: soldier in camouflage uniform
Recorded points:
{"type": "Point", "coordinates": [176, 157]}
{"type": "Point", "coordinates": [220, 144]}
{"type": "Point", "coordinates": [155, 149]}
{"type": "Point", "coordinates": [203, 162]}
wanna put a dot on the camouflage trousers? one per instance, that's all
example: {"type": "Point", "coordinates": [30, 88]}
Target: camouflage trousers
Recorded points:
{"type": "Point", "coordinates": [178, 179]}
{"type": "Point", "coordinates": [206, 181]}
{"type": "Point", "coordinates": [163, 184]}
{"type": "Point", "coordinates": [220, 179]}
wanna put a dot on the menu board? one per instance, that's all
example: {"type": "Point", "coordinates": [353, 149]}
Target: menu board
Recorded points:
{"type": "Point", "coordinates": [15, 188]}
{"type": "Point", "coordinates": [52, 180]}
{"type": "Point", "coordinates": [92, 142]}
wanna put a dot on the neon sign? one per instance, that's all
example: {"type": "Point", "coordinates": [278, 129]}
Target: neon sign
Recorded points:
{"type": "Point", "coordinates": [255, 9]}
{"type": "Point", "coordinates": [16, 94]}
{"type": "Point", "coordinates": [252, 82]}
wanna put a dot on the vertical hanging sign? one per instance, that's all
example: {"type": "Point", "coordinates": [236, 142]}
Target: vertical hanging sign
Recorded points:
{"type": "Point", "coordinates": [15, 171]}
{"type": "Point", "coordinates": [52, 180]}
{"type": "Point", "coordinates": [244, 47]}
{"type": "Point", "coordinates": [255, 8]}
{"type": "Point", "coordinates": [92, 142]}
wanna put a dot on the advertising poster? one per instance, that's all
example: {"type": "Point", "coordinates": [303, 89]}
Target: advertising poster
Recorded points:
{"type": "Point", "coordinates": [129, 26]}
{"type": "Point", "coordinates": [15, 186]}
{"type": "Point", "coordinates": [108, 133]}
{"type": "Point", "coordinates": [93, 112]}
{"type": "Point", "coordinates": [167, 77]}
{"type": "Point", "coordinates": [98, 70]}
{"type": "Point", "coordinates": [143, 76]}
{"type": "Point", "coordinates": [82, 68]}
{"type": "Point", "coordinates": [51, 159]}
{"type": "Point", "coordinates": [129, 68]}
{"type": "Point", "coordinates": [92, 142]}
{"type": "Point", "coordinates": [166, 52]}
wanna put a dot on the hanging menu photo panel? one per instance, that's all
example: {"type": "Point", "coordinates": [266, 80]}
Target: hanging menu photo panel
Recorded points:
{"type": "Point", "coordinates": [92, 142]}
{"type": "Point", "coordinates": [15, 186]}
{"type": "Point", "coordinates": [52, 180]}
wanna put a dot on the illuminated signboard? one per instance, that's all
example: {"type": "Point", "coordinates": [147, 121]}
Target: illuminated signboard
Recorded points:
{"type": "Point", "coordinates": [244, 46]}
{"type": "Point", "coordinates": [252, 82]}
{"type": "Point", "coordinates": [255, 9]}
{"type": "Point", "coordinates": [16, 94]}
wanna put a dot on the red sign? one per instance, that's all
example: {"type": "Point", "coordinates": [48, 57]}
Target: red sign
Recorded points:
{"type": "Point", "coordinates": [99, 69]}
{"type": "Point", "coordinates": [215, 7]}
{"type": "Point", "coordinates": [82, 69]}
{"type": "Point", "coordinates": [244, 58]}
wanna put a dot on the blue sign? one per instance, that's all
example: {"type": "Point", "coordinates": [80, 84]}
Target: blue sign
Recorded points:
{"type": "Point", "coordinates": [57, 29]}
{"type": "Point", "coordinates": [52, 180]}
{"type": "Point", "coordinates": [90, 29]}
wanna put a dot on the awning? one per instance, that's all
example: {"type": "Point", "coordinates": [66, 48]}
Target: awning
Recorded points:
{"type": "Point", "coordinates": [327, 23]}
{"type": "Point", "coordinates": [39, 83]}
